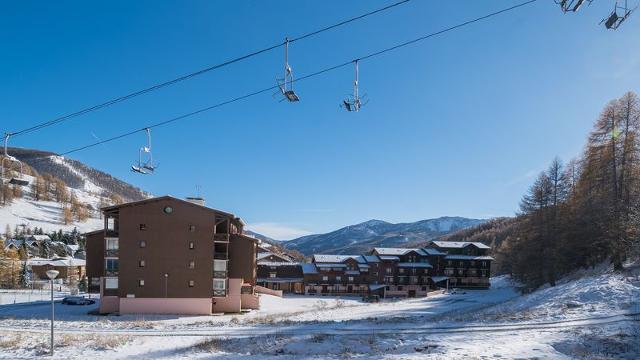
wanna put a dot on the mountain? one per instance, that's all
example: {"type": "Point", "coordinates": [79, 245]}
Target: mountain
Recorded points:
{"type": "Point", "coordinates": [362, 237]}
{"type": "Point", "coordinates": [264, 238]}
{"type": "Point", "coordinates": [76, 174]}
{"type": "Point", "coordinates": [86, 190]}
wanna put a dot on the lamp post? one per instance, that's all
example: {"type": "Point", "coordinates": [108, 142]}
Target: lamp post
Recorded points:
{"type": "Point", "coordinates": [52, 275]}
{"type": "Point", "coordinates": [166, 277]}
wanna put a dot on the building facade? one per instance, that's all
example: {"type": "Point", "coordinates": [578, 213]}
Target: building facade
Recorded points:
{"type": "Point", "coordinates": [167, 255]}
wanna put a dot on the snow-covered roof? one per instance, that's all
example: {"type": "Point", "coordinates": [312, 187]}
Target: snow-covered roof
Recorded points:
{"type": "Point", "coordinates": [63, 262]}
{"type": "Point", "coordinates": [38, 237]}
{"type": "Point", "coordinates": [335, 265]}
{"type": "Point", "coordinates": [352, 272]}
{"type": "Point", "coordinates": [376, 287]}
{"type": "Point", "coordinates": [459, 244]}
{"type": "Point", "coordinates": [389, 258]}
{"type": "Point", "coordinates": [432, 251]}
{"type": "Point", "coordinates": [439, 278]}
{"type": "Point", "coordinates": [308, 268]}
{"type": "Point", "coordinates": [73, 248]}
{"type": "Point", "coordinates": [371, 258]}
{"type": "Point", "coordinates": [467, 257]}
{"type": "Point", "coordinates": [263, 255]}
{"type": "Point", "coordinates": [278, 263]}
{"type": "Point", "coordinates": [17, 243]}
{"type": "Point", "coordinates": [415, 264]}
{"type": "Point", "coordinates": [325, 258]}
{"type": "Point", "coordinates": [279, 280]}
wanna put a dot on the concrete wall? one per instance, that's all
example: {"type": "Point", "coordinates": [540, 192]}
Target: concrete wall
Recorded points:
{"type": "Point", "coordinates": [183, 306]}
{"type": "Point", "coordinates": [250, 301]}
{"type": "Point", "coordinates": [232, 303]}
{"type": "Point", "coordinates": [109, 304]}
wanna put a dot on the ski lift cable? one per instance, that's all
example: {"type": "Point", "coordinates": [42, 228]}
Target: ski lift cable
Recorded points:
{"type": "Point", "coordinates": [199, 72]}
{"type": "Point", "coordinates": [274, 87]}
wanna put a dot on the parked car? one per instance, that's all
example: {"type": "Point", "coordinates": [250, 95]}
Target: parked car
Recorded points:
{"type": "Point", "coordinates": [371, 298]}
{"type": "Point", "coordinates": [77, 300]}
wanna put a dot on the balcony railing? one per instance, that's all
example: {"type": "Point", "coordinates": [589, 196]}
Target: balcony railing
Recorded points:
{"type": "Point", "coordinates": [219, 274]}
{"type": "Point", "coordinates": [111, 273]}
{"type": "Point", "coordinates": [219, 292]}
{"type": "Point", "coordinates": [220, 256]}
{"type": "Point", "coordinates": [111, 253]}
{"type": "Point", "coordinates": [221, 238]}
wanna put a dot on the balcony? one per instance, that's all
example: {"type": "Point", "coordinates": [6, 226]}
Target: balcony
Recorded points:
{"type": "Point", "coordinates": [111, 253]}
{"type": "Point", "coordinates": [222, 238]}
{"type": "Point", "coordinates": [111, 273]}
{"type": "Point", "coordinates": [219, 274]}
{"type": "Point", "coordinates": [219, 292]}
{"type": "Point", "coordinates": [220, 256]}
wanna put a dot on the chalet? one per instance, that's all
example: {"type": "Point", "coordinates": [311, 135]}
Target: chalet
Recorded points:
{"type": "Point", "coordinates": [466, 264]}
{"type": "Point", "coordinates": [285, 275]}
{"type": "Point", "coordinates": [337, 275]}
{"type": "Point", "coordinates": [272, 257]}
{"type": "Point", "coordinates": [69, 269]}
{"type": "Point", "coordinates": [404, 272]}
{"type": "Point", "coordinates": [166, 255]}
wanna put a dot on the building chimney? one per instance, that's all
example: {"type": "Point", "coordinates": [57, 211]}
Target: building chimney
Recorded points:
{"type": "Point", "coordinates": [196, 200]}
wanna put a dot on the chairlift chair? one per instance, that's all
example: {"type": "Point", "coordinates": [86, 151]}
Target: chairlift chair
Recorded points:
{"type": "Point", "coordinates": [353, 102]}
{"type": "Point", "coordinates": [147, 167]}
{"type": "Point", "coordinates": [20, 179]}
{"type": "Point", "coordinates": [572, 5]}
{"type": "Point", "coordinates": [286, 86]}
{"type": "Point", "coordinates": [613, 21]}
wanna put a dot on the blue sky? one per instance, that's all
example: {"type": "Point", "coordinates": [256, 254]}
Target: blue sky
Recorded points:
{"type": "Point", "coordinates": [455, 125]}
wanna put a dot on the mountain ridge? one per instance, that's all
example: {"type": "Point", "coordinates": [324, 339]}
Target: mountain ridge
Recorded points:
{"type": "Point", "coordinates": [361, 237]}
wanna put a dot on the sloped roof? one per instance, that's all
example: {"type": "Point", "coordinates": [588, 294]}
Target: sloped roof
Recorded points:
{"type": "Point", "coordinates": [56, 262]}
{"type": "Point", "coordinates": [414, 265]}
{"type": "Point", "coordinates": [308, 268]}
{"type": "Point", "coordinates": [389, 258]}
{"type": "Point", "coordinates": [459, 244]}
{"type": "Point", "coordinates": [398, 251]}
{"type": "Point", "coordinates": [263, 255]}
{"type": "Point", "coordinates": [278, 263]}
{"type": "Point", "coordinates": [467, 257]}
{"type": "Point", "coordinates": [326, 258]}
{"type": "Point", "coordinates": [169, 197]}
{"type": "Point", "coordinates": [38, 237]}
{"type": "Point", "coordinates": [432, 251]}
{"type": "Point", "coordinates": [371, 258]}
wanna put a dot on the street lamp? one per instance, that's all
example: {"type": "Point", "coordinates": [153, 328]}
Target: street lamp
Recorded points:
{"type": "Point", "coordinates": [52, 275]}
{"type": "Point", "coordinates": [166, 277]}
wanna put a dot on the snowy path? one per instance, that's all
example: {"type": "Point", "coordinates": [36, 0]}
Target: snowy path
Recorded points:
{"type": "Point", "coordinates": [346, 329]}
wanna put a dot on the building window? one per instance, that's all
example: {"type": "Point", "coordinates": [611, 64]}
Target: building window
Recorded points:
{"type": "Point", "coordinates": [484, 264]}
{"type": "Point", "coordinates": [350, 278]}
{"type": "Point", "coordinates": [325, 278]}
{"type": "Point", "coordinates": [143, 244]}
{"type": "Point", "coordinates": [112, 244]}
{"type": "Point", "coordinates": [141, 263]}
{"type": "Point", "coordinates": [399, 288]}
{"type": "Point", "coordinates": [140, 283]}
{"type": "Point", "coordinates": [192, 283]}
{"type": "Point", "coordinates": [401, 271]}
{"type": "Point", "coordinates": [219, 284]}
{"type": "Point", "coordinates": [388, 270]}
{"type": "Point", "coordinates": [338, 278]}
{"type": "Point", "coordinates": [111, 265]}
{"type": "Point", "coordinates": [192, 264]}
{"type": "Point", "coordinates": [461, 263]}
{"type": "Point", "coordinates": [450, 263]}
{"type": "Point", "coordinates": [191, 245]}
{"type": "Point", "coordinates": [167, 210]}
{"type": "Point", "coordinates": [472, 263]}
{"type": "Point", "coordinates": [424, 288]}
{"type": "Point", "coordinates": [111, 283]}
{"type": "Point", "coordinates": [143, 227]}
{"type": "Point", "coordinates": [272, 275]}
{"type": "Point", "coordinates": [192, 228]}
{"type": "Point", "coordinates": [111, 224]}
{"type": "Point", "coordinates": [219, 265]}
{"type": "Point", "coordinates": [387, 288]}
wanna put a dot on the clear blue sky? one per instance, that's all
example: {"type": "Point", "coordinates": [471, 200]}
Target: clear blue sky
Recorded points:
{"type": "Point", "coordinates": [456, 125]}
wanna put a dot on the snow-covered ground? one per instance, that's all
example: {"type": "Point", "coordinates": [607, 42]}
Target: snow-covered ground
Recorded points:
{"type": "Point", "coordinates": [591, 317]}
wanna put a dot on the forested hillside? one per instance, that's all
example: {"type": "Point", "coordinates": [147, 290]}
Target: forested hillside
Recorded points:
{"type": "Point", "coordinates": [576, 214]}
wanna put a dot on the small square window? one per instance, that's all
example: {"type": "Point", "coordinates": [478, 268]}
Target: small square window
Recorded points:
{"type": "Point", "coordinates": [399, 288]}
{"type": "Point", "coordinates": [191, 245]}
{"type": "Point", "coordinates": [192, 228]}
{"type": "Point", "coordinates": [192, 264]}
{"type": "Point", "coordinates": [143, 227]}
{"type": "Point", "coordinates": [192, 283]}
{"type": "Point", "coordinates": [143, 244]}
{"type": "Point", "coordinates": [141, 283]}
{"type": "Point", "coordinates": [141, 263]}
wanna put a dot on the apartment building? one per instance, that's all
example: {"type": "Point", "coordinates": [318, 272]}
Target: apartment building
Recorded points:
{"type": "Point", "coordinates": [466, 264]}
{"type": "Point", "coordinates": [399, 272]}
{"type": "Point", "coordinates": [172, 256]}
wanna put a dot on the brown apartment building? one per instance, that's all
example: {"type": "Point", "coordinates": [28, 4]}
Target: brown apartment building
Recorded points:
{"type": "Point", "coordinates": [171, 256]}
